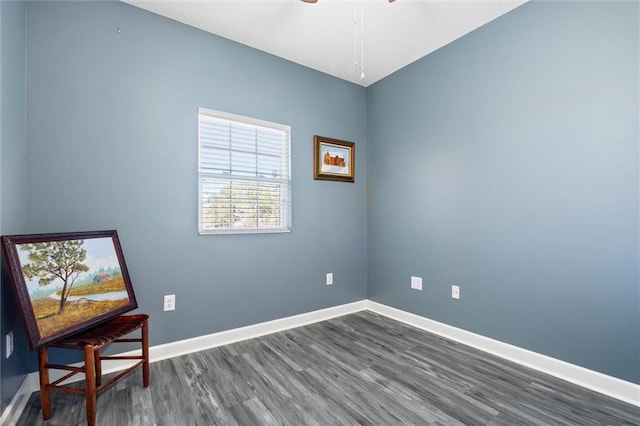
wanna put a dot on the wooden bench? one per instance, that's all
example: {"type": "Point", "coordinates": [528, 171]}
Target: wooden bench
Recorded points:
{"type": "Point", "coordinates": [91, 342]}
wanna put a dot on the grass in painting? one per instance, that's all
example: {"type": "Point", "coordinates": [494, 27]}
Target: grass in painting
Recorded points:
{"type": "Point", "coordinates": [77, 311]}
{"type": "Point", "coordinates": [74, 313]}
{"type": "Point", "coordinates": [115, 284]}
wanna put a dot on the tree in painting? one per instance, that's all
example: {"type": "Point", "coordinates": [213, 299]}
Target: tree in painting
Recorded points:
{"type": "Point", "coordinates": [56, 259]}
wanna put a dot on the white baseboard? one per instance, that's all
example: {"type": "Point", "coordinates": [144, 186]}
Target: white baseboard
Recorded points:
{"type": "Point", "coordinates": [183, 347]}
{"type": "Point", "coordinates": [611, 386]}
{"type": "Point", "coordinates": [602, 383]}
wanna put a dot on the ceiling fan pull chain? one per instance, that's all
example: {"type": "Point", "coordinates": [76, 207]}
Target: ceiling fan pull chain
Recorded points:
{"type": "Point", "coordinates": [355, 33]}
{"type": "Point", "coordinates": [362, 40]}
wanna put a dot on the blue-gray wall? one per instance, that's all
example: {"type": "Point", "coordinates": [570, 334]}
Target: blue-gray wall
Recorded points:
{"type": "Point", "coordinates": [507, 163]}
{"type": "Point", "coordinates": [112, 100]}
{"type": "Point", "coordinates": [13, 184]}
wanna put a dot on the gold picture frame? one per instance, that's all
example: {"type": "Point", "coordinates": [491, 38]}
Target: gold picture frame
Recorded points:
{"type": "Point", "coordinates": [334, 159]}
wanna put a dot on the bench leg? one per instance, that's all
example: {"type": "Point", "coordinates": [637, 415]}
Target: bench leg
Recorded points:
{"type": "Point", "coordinates": [45, 400]}
{"type": "Point", "coordinates": [98, 363]}
{"type": "Point", "coordinates": [145, 354]}
{"type": "Point", "coordinates": [90, 378]}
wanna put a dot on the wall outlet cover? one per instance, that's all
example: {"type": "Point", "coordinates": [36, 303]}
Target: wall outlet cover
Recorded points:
{"type": "Point", "coordinates": [9, 342]}
{"type": "Point", "coordinates": [455, 292]}
{"type": "Point", "coordinates": [170, 302]}
{"type": "Point", "coordinates": [416, 283]}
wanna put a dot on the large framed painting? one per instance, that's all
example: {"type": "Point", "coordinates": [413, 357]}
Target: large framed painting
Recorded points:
{"type": "Point", "coordinates": [67, 282]}
{"type": "Point", "coordinates": [334, 159]}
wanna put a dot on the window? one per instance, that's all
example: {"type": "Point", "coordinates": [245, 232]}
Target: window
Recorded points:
{"type": "Point", "coordinates": [244, 180]}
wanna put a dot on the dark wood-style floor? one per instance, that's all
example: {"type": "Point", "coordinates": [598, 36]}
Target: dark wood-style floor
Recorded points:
{"type": "Point", "coordinates": [360, 369]}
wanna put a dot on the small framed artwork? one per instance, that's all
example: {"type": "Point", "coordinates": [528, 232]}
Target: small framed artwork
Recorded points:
{"type": "Point", "coordinates": [66, 283]}
{"type": "Point", "coordinates": [334, 159]}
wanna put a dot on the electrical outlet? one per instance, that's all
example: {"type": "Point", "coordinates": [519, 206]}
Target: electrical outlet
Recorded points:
{"type": "Point", "coordinates": [170, 302]}
{"type": "Point", "coordinates": [330, 278]}
{"type": "Point", "coordinates": [416, 283]}
{"type": "Point", "coordinates": [455, 292]}
{"type": "Point", "coordinates": [9, 343]}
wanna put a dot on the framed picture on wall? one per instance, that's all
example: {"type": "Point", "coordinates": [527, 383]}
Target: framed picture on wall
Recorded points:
{"type": "Point", "coordinates": [334, 159]}
{"type": "Point", "coordinates": [67, 282]}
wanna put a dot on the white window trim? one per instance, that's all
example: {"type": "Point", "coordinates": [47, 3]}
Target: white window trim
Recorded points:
{"type": "Point", "coordinates": [285, 207]}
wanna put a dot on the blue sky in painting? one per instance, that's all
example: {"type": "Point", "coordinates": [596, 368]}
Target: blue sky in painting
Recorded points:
{"type": "Point", "coordinates": [100, 254]}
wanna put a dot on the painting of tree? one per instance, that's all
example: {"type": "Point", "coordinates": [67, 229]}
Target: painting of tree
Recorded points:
{"type": "Point", "coordinates": [56, 259]}
{"type": "Point", "coordinates": [67, 282]}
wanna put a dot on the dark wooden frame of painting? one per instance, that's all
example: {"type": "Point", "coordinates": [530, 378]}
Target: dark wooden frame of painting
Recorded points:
{"type": "Point", "coordinates": [318, 174]}
{"type": "Point", "coordinates": [10, 245]}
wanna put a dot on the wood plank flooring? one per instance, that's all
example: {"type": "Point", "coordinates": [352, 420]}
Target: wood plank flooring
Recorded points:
{"type": "Point", "coordinates": [360, 369]}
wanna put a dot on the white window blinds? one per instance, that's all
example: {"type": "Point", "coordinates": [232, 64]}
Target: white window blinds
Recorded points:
{"type": "Point", "coordinates": [244, 179]}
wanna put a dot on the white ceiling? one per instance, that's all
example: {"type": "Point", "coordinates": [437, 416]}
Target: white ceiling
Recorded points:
{"type": "Point", "coordinates": [322, 35]}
